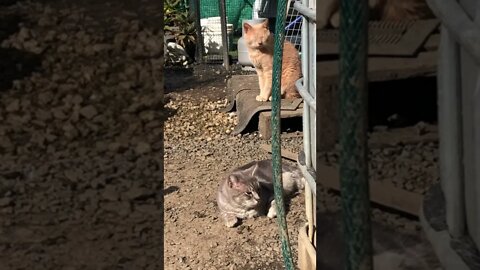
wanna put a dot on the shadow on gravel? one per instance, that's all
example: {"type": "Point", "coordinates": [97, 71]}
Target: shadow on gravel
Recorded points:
{"type": "Point", "coordinates": [7, 2]}
{"type": "Point", "coordinates": [170, 189]}
{"type": "Point", "coordinates": [181, 79]}
{"type": "Point", "coordinates": [8, 24]}
{"type": "Point", "coordinates": [15, 65]}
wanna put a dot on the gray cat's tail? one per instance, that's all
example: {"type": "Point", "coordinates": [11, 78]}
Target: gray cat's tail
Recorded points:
{"type": "Point", "coordinates": [293, 180]}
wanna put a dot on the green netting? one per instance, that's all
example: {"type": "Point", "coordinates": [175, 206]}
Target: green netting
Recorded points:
{"type": "Point", "coordinates": [237, 11]}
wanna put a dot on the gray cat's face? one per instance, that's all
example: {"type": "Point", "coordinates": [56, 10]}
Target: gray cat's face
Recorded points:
{"type": "Point", "coordinates": [245, 190]}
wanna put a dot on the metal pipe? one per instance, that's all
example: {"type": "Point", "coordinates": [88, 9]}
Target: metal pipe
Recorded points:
{"type": "Point", "coordinates": [354, 185]}
{"type": "Point", "coordinates": [450, 132]}
{"type": "Point", "coordinates": [309, 179]}
{"type": "Point", "coordinates": [307, 97]}
{"type": "Point", "coordinates": [476, 139]}
{"type": "Point", "coordinates": [305, 11]}
{"type": "Point", "coordinates": [276, 140]}
{"type": "Point", "coordinates": [311, 85]}
{"type": "Point", "coordinates": [305, 79]}
{"type": "Point", "coordinates": [223, 26]}
{"type": "Point", "coordinates": [462, 29]}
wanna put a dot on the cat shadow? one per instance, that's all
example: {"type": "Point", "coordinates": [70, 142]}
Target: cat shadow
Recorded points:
{"type": "Point", "coordinates": [15, 65]}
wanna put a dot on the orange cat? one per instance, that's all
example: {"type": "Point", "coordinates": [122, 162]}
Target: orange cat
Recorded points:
{"type": "Point", "coordinates": [259, 41]}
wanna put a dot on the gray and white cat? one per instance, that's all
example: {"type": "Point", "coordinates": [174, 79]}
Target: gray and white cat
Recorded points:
{"type": "Point", "coordinates": [248, 190]}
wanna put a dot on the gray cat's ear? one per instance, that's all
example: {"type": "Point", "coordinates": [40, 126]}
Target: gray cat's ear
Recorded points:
{"type": "Point", "coordinates": [254, 169]}
{"type": "Point", "coordinates": [232, 181]}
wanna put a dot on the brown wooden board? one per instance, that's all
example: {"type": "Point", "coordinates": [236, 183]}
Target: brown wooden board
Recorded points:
{"type": "Point", "coordinates": [386, 38]}
{"type": "Point", "coordinates": [265, 123]}
{"type": "Point", "coordinates": [379, 69]}
{"type": "Point", "coordinates": [383, 193]}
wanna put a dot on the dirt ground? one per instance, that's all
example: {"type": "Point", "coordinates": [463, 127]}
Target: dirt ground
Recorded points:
{"type": "Point", "coordinates": [199, 150]}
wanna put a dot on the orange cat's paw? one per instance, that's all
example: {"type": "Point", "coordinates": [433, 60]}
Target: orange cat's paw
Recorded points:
{"type": "Point", "coordinates": [270, 98]}
{"type": "Point", "coordinates": [260, 98]}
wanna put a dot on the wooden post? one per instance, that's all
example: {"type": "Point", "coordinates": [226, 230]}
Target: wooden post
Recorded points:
{"type": "Point", "coordinates": [198, 27]}
{"type": "Point", "coordinates": [223, 20]}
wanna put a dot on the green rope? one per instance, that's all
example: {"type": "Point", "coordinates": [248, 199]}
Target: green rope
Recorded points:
{"type": "Point", "coordinates": [276, 145]}
{"type": "Point", "coordinates": [353, 134]}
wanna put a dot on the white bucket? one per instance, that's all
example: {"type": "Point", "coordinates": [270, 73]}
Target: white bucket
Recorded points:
{"type": "Point", "coordinates": [212, 35]}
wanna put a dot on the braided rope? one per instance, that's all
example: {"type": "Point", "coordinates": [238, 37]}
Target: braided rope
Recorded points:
{"type": "Point", "coordinates": [276, 145]}
{"type": "Point", "coordinates": [353, 134]}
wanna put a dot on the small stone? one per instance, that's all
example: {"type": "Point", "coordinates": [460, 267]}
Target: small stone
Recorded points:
{"type": "Point", "coordinates": [110, 193]}
{"type": "Point", "coordinates": [138, 193]}
{"type": "Point", "coordinates": [88, 111]}
{"type": "Point", "coordinates": [58, 113]}
{"type": "Point", "coordinates": [77, 99]}
{"type": "Point", "coordinates": [143, 148]}
{"type": "Point", "coordinates": [5, 202]}
{"type": "Point", "coordinates": [121, 208]}
{"type": "Point", "coordinates": [45, 97]}
{"type": "Point", "coordinates": [13, 106]}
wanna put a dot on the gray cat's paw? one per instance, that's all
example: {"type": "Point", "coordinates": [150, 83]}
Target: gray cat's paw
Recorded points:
{"type": "Point", "coordinates": [272, 212]}
{"type": "Point", "coordinates": [252, 214]}
{"type": "Point", "coordinates": [231, 222]}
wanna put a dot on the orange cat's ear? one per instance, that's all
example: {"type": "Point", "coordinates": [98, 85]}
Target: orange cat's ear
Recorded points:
{"type": "Point", "coordinates": [246, 27]}
{"type": "Point", "coordinates": [265, 23]}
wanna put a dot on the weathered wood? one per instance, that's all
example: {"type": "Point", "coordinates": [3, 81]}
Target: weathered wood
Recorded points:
{"type": "Point", "coordinates": [385, 68]}
{"type": "Point", "coordinates": [432, 42]}
{"type": "Point", "coordinates": [379, 69]}
{"type": "Point", "coordinates": [383, 193]}
{"type": "Point", "coordinates": [407, 135]}
{"type": "Point", "coordinates": [386, 38]}
{"type": "Point", "coordinates": [285, 153]}
{"type": "Point", "coordinates": [264, 120]}
{"type": "Point", "coordinates": [306, 251]}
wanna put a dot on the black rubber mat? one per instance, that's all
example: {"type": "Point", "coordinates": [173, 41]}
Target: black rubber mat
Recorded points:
{"type": "Point", "coordinates": [243, 90]}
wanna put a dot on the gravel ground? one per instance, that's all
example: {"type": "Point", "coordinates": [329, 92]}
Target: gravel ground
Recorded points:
{"type": "Point", "coordinates": [199, 149]}
{"type": "Point", "coordinates": [80, 136]}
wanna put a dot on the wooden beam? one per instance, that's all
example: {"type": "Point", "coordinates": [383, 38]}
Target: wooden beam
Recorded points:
{"type": "Point", "coordinates": [383, 193]}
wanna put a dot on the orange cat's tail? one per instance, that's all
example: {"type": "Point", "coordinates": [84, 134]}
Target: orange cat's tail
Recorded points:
{"type": "Point", "coordinates": [291, 91]}
{"type": "Point", "coordinates": [406, 9]}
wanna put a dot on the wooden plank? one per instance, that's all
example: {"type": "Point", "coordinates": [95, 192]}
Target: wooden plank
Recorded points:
{"type": "Point", "coordinates": [406, 135]}
{"type": "Point", "coordinates": [432, 42]}
{"type": "Point", "coordinates": [386, 38]}
{"type": "Point", "coordinates": [379, 69]}
{"type": "Point", "coordinates": [383, 193]}
{"type": "Point", "coordinates": [285, 153]}
{"type": "Point", "coordinates": [385, 68]}
{"type": "Point", "coordinates": [264, 120]}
